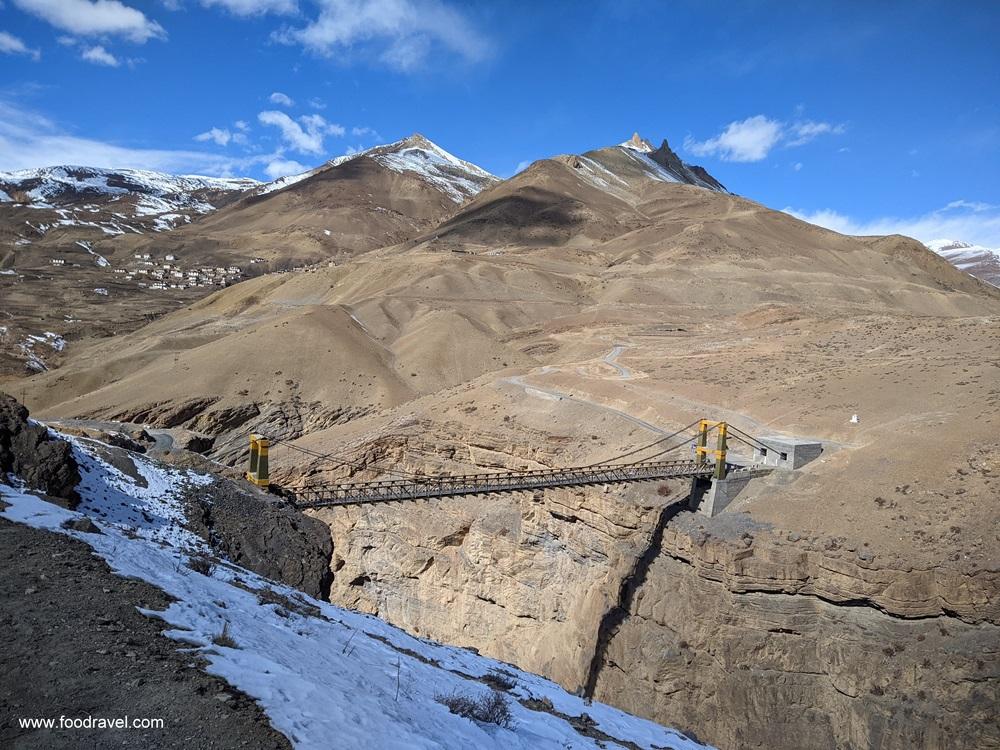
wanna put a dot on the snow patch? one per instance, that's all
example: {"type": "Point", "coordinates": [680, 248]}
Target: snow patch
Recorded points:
{"type": "Point", "coordinates": [98, 258]}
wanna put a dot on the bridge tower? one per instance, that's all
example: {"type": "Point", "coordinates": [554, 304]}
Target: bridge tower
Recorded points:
{"type": "Point", "coordinates": [258, 473]}
{"type": "Point", "coordinates": [702, 451]}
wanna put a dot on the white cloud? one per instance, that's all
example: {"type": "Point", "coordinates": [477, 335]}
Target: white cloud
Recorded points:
{"type": "Point", "coordinates": [99, 56]}
{"type": "Point", "coordinates": [747, 140]}
{"type": "Point", "coordinates": [95, 17]}
{"type": "Point", "coordinates": [753, 139]}
{"type": "Point", "coordinates": [12, 45]}
{"type": "Point", "coordinates": [241, 125]}
{"type": "Point", "coordinates": [797, 166]}
{"type": "Point", "coordinates": [281, 99]}
{"type": "Point", "coordinates": [220, 136]}
{"type": "Point", "coordinates": [29, 139]}
{"type": "Point", "coordinates": [959, 220]}
{"type": "Point", "coordinates": [399, 33]}
{"type": "Point", "coordinates": [283, 168]}
{"type": "Point", "coordinates": [253, 7]}
{"type": "Point", "coordinates": [305, 136]}
{"type": "Point", "coordinates": [523, 165]}
{"type": "Point", "coordinates": [800, 133]}
{"type": "Point", "coordinates": [364, 131]}
{"type": "Point", "coordinates": [317, 103]}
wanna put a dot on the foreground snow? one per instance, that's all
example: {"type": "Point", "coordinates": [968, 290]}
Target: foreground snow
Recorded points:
{"type": "Point", "coordinates": [327, 677]}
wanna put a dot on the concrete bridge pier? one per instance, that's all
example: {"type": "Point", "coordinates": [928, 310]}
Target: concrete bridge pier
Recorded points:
{"type": "Point", "coordinates": [712, 496]}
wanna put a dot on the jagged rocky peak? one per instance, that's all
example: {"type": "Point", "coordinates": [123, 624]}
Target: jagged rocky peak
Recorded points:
{"type": "Point", "coordinates": [612, 167]}
{"type": "Point", "coordinates": [638, 143]}
{"type": "Point", "coordinates": [690, 173]}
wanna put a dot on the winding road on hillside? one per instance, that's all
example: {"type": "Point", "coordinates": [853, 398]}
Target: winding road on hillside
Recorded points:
{"type": "Point", "coordinates": [624, 373]}
{"type": "Point", "coordinates": [610, 358]}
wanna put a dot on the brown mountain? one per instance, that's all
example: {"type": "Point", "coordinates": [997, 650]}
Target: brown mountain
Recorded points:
{"type": "Point", "coordinates": [349, 205]}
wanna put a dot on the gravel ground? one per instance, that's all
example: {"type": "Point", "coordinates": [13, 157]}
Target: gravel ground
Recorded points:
{"type": "Point", "coordinates": [75, 646]}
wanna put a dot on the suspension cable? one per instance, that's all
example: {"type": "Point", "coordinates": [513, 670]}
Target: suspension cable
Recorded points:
{"type": "Point", "coordinates": [643, 448]}
{"type": "Point", "coordinates": [341, 461]}
{"type": "Point", "coordinates": [757, 443]}
{"type": "Point", "coordinates": [422, 478]}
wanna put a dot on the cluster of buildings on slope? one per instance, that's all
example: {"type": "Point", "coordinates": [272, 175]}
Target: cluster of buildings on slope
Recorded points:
{"type": "Point", "coordinates": [169, 274]}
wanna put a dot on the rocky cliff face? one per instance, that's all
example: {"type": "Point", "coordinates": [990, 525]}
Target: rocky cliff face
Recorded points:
{"type": "Point", "coordinates": [756, 645]}
{"type": "Point", "coordinates": [29, 452]}
{"type": "Point", "coordinates": [748, 636]}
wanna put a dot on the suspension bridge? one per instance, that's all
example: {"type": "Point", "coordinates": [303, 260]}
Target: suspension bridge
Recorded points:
{"type": "Point", "coordinates": [708, 463]}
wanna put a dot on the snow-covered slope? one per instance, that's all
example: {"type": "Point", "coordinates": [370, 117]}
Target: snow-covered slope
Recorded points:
{"type": "Point", "coordinates": [325, 676]}
{"type": "Point", "coordinates": [113, 199]}
{"type": "Point", "coordinates": [456, 178]}
{"type": "Point", "coordinates": [975, 260]}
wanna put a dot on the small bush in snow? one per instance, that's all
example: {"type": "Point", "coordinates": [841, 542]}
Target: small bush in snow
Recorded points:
{"type": "Point", "coordinates": [201, 564]}
{"type": "Point", "coordinates": [224, 639]}
{"type": "Point", "coordinates": [492, 708]}
{"type": "Point", "coordinates": [498, 679]}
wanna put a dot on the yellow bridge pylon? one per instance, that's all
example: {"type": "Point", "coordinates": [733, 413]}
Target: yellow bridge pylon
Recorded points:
{"type": "Point", "coordinates": [702, 451]}
{"type": "Point", "coordinates": [258, 474]}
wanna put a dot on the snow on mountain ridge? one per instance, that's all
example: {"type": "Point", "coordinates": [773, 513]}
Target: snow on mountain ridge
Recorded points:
{"type": "Point", "coordinates": [456, 178]}
{"type": "Point", "coordinates": [58, 180]}
{"type": "Point", "coordinates": [975, 260]}
{"type": "Point", "coordinates": [79, 194]}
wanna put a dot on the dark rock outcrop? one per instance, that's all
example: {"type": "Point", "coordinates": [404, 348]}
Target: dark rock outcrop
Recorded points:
{"type": "Point", "coordinates": [261, 534]}
{"type": "Point", "coordinates": [29, 453]}
{"type": "Point", "coordinates": [690, 173]}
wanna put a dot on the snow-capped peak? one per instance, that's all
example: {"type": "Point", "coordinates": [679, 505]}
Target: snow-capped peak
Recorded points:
{"type": "Point", "coordinates": [457, 178]}
{"type": "Point", "coordinates": [417, 154]}
{"type": "Point", "coordinates": [638, 143]}
{"type": "Point", "coordinates": [942, 245]}
{"type": "Point", "coordinates": [975, 260]}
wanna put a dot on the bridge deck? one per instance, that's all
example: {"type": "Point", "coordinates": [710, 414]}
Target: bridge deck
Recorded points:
{"type": "Point", "coordinates": [319, 496]}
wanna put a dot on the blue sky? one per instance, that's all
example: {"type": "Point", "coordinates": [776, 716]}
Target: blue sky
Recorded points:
{"type": "Point", "coordinates": [867, 117]}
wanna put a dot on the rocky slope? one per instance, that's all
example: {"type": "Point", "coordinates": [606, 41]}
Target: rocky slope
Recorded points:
{"type": "Point", "coordinates": [63, 658]}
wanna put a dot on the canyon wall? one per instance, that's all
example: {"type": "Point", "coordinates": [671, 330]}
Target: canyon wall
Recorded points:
{"type": "Point", "coordinates": [740, 634]}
